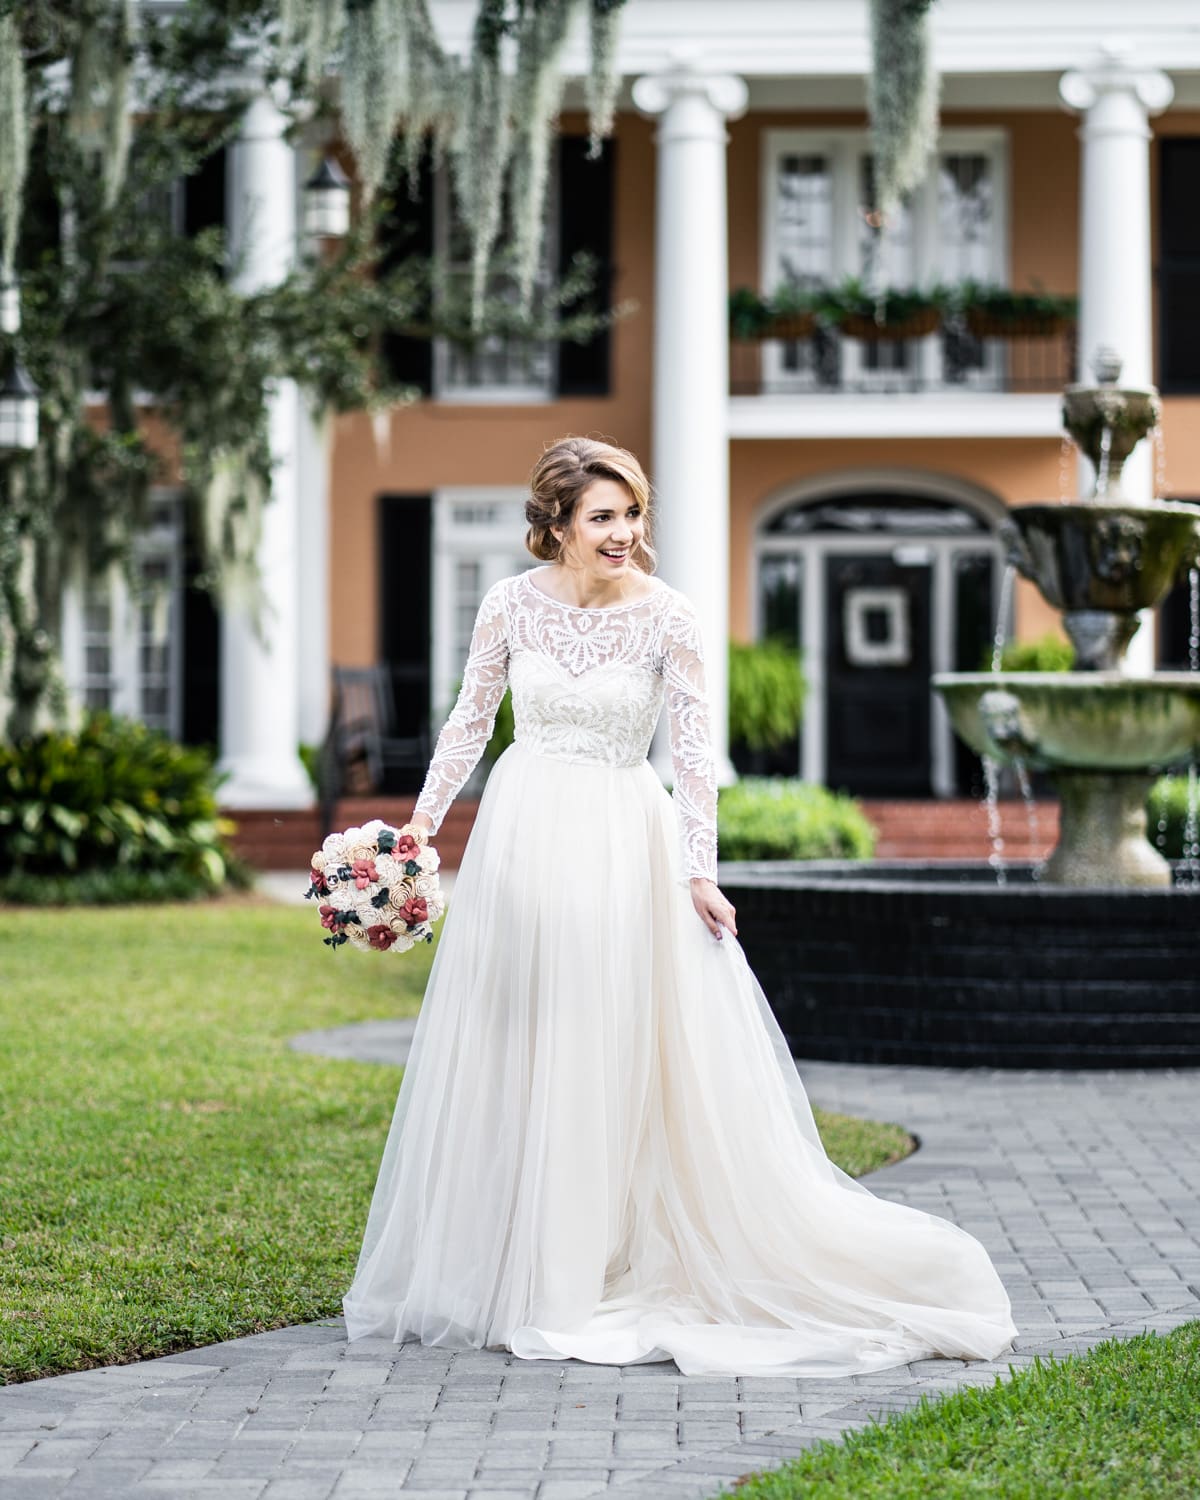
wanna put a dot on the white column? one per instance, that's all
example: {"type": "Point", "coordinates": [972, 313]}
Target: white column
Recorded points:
{"type": "Point", "coordinates": [1115, 100]}
{"type": "Point", "coordinates": [691, 355]}
{"type": "Point", "coordinates": [312, 625]}
{"type": "Point", "coordinates": [260, 680]}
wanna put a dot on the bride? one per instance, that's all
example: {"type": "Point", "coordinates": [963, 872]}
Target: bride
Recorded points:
{"type": "Point", "coordinates": [601, 1149]}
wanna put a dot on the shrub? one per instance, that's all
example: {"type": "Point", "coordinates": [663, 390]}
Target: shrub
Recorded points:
{"type": "Point", "coordinates": [1167, 816]}
{"type": "Point", "coordinates": [761, 818]}
{"type": "Point", "coordinates": [115, 811]}
{"type": "Point", "coordinates": [1049, 653]}
{"type": "Point", "coordinates": [766, 694]}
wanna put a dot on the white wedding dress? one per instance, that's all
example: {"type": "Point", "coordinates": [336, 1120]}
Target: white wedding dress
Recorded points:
{"type": "Point", "coordinates": [601, 1149]}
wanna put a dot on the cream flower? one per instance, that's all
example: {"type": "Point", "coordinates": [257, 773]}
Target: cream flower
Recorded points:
{"type": "Point", "coordinates": [401, 891]}
{"type": "Point", "coordinates": [317, 862]}
{"type": "Point", "coordinates": [389, 869]}
{"type": "Point", "coordinates": [428, 860]}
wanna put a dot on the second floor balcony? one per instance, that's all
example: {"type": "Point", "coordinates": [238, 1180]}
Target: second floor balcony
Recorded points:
{"type": "Point", "coordinates": [946, 381]}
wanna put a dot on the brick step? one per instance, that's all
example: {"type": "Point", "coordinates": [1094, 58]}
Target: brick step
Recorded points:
{"type": "Point", "coordinates": [283, 839]}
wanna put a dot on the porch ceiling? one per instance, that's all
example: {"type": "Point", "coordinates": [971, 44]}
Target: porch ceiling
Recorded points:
{"type": "Point", "coordinates": [828, 38]}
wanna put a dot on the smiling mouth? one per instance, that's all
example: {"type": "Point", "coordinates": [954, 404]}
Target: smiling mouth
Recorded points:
{"type": "Point", "coordinates": [616, 556]}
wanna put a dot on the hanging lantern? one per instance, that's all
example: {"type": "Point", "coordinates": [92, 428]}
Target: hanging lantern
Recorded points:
{"type": "Point", "coordinates": [18, 409]}
{"type": "Point", "coordinates": [327, 202]}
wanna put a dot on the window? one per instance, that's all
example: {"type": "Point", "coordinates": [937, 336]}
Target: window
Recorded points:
{"type": "Point", "coordinates": [496, 368]}
{"type": "Point", "coordinates": [122, 645]}
{"type": "Point", "coordinates": [818, 190]}
{"type": "Point", "coordinates": [478, 538]}
{"type": "Point", "coordinates": [580, 205]}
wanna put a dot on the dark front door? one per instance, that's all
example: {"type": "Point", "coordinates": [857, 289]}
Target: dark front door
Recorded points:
{"type": "Point", "coordinates": [877, 667]}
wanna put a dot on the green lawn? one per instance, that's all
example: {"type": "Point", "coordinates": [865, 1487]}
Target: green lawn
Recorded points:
{"type": "Point", "coordinates": [1120, 1424]}
{"type": "Point", "coordinates": [172, 1172]}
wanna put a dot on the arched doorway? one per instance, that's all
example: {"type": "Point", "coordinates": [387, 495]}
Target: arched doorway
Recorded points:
{"type": "Point", "coordinates": [880, 580]}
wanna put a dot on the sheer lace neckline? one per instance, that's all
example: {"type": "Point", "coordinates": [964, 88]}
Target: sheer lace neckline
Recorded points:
{"type": "Point", "coordinates": [656, 592]}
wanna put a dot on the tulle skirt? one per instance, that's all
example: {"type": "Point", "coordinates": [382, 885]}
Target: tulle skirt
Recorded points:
{"type": "Point", "coordinates": [601, 1148]}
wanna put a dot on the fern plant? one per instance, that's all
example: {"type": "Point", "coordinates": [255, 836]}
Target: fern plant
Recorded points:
{"type": "Point", "coordinates": [766, 694]}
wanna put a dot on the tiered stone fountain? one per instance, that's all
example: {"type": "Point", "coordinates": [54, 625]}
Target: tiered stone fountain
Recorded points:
{"type": "Point", "coordinates": [1095, 964]}
{"type": "Point", "coordinates": [1101, 733]}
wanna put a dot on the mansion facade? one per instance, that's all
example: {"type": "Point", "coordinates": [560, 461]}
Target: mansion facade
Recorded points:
{"type": "Point", "coordinates": [843, 494]}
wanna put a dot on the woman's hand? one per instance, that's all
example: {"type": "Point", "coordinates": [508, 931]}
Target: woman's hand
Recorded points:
{"type": "Point", "coordinates": [713, 909]}
{"type": "Point", "coordinates": [422, 820]}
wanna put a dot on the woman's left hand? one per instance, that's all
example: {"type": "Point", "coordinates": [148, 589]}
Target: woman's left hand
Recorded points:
{"type": "Point", "coordinates": [713, 909]}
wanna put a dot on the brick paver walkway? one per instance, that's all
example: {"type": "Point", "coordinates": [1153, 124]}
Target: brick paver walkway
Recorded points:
{"type": "Point", "coordinates": [1085, 1188]}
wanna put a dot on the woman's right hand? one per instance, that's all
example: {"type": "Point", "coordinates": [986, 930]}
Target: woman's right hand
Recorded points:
{"type": "Point", "coordinates": [422, 820]}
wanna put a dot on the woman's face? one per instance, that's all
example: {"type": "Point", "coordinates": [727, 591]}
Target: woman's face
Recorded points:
{"type": "Point", "coordinates": [607, 528]}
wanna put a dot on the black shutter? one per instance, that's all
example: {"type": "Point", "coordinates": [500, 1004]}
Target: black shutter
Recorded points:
{"type": "Point", "coordinates": [406, 230]}
{"type": "Point", "coordinates": [1179, 265]}
{"type": "Point", "coordinates": [585, 197]}
{"type": "Point", "coordinates": [204, 195]}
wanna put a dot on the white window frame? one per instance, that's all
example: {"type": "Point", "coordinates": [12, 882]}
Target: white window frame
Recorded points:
{"type": "Point", "coordinates": [844, 150]}
{"type": "Point", "coordinates": [124, 635]}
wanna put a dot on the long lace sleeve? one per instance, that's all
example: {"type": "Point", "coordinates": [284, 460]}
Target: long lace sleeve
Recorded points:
{"type": "Point", "coordinates": [469, 725]}
{"type": "Point", "coordinates": [695, 789]}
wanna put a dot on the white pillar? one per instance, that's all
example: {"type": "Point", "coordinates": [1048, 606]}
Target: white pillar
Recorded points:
{"type": "Point", "coordinates": [260, 681]}
{"type": "Point", "coordinates": [691, 355]}
{"type": "Point", "coordinates": [312, 626]}
{"type": "Point", "coordinates": [1115, 101]}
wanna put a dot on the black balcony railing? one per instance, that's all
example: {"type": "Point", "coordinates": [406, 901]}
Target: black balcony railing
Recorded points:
{"type": "Point", "coordinates": [950, 360]}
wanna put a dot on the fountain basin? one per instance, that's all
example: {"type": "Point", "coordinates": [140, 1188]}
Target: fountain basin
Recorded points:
{"type": "Point", "coordinates": [932, 962]}
{"type": "Point", "coordinates": [1103, 737]}
{"type": "Point", "coordinates": [1101, 556]}
{"type": "Point", "coordinates": [1107, 421]}
{"type": "Point", "coordinates": [1078, 721]}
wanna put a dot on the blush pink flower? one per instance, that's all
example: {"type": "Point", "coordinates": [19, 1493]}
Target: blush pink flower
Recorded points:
{"type": "Point", "coordinates": [414, 911]}
{"type": "Point", "coordinates": [364, 872]}
{"type": "Point", "coordinates": [320, 884]}
{"type": "Point", "coordinates": [406, 848]}
{"type": "Point", "coordinates": [380, 937]}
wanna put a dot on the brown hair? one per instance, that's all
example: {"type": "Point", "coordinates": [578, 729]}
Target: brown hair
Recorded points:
{"type": "Point", "coordinates": [560, 477]}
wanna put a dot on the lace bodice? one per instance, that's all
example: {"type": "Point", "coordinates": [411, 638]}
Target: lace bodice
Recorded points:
{"type": "Point", "coordinates": [587, 685]}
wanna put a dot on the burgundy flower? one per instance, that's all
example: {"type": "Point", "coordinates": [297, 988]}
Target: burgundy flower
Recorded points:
{"type": "Point", "coordinates": [414, 911]}
{"type": "Point", "coordinates": [320, 884]}
{"type": "Point", "coordinates": [329, 917]}
{"type": "Point", "coordinates": [364, 872]}
{"type": "Point", "coordinates": [406, 848]}
{"type": "Point", "coordinates": [380, 937]}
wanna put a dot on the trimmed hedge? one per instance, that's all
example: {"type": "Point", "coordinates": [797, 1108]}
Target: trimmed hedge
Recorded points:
{"type": "Point", "coordinates": [777, 818]}
{"type": "Point", "coordinates": [112, 812]}
{"type": "Point", "coordinates": [1167, 816]}
{"type": "Point", "coordinates": [1048, 653]}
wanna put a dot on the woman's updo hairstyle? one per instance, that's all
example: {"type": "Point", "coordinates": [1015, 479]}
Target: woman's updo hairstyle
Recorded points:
{"type": "Point", "coordinates": [560, 477]}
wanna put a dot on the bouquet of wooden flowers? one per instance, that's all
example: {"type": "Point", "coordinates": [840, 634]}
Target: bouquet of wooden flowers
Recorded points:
{"type": "Point", "coordinates": [377, 887]}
